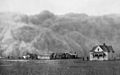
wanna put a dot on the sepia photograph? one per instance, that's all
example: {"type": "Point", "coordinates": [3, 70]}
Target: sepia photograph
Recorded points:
{"type": "Point", "coordinates": [59, 37]}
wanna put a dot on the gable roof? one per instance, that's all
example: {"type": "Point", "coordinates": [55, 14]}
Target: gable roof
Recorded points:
{"type": "Point", "coordinates": [104, 47]}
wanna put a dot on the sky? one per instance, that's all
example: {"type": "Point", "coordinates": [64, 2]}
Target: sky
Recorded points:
{"type": "Point", "coordinates": [90, 7]}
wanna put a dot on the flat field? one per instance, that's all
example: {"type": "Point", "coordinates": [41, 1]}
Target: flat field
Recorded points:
{"type": "Point", "coordinates": [59, 67]}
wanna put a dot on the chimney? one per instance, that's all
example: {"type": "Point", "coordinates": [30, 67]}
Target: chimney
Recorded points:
{"type": "Point", "coordinates": [104, 44]}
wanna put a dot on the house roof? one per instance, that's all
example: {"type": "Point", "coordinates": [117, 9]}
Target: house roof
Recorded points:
{"type": "Point", "coordinates": [104, 48]}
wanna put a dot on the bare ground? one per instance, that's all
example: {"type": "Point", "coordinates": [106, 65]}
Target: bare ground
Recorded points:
{"type": "Point", "coordinates": [59, 67]}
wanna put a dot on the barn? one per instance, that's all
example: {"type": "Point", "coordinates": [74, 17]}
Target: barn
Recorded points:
{"type": "Point", "coordinates": [101, 52]}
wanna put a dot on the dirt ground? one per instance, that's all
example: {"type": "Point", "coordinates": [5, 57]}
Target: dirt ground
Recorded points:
{"type": "Point", "coordinates": [59, 67]}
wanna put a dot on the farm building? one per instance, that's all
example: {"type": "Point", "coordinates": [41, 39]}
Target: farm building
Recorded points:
{"type": "Point", "coordinates": [63, 56]}
{"type": "Point", "coordinates": [101, 52]}
{"type": "Point", "coordinates": [43, 56]}
{"type": "Point", "coordinates": [35, 56]}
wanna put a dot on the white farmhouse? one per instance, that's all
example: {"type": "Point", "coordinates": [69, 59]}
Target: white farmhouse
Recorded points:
{"type": "Point", "coordinates": [100, 52]}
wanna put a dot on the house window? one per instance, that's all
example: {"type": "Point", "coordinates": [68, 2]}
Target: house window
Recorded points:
{"type": "Point", "coordinates": [98, 49]}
